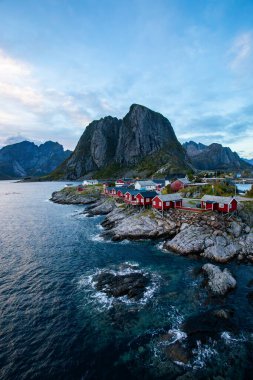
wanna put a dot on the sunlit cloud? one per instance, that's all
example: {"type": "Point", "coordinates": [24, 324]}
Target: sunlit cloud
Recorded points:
{"type": "Point", "coordinates": [241, 50]}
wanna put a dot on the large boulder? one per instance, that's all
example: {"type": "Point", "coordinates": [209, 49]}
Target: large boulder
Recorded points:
{"type": "Point", "coordinates": [189, 240]}
{"type": "Point", "coordinates": [221, 253]}
{"type": "Point", "coordinates": [218, 281]}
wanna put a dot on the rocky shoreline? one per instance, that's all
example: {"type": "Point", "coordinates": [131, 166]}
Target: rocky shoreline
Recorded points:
{"type": "Point", "coordinates": [216, 237]}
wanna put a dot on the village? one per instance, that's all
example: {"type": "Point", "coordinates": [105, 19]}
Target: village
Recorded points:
{"type": "Point", "coordinates": [153, 194]}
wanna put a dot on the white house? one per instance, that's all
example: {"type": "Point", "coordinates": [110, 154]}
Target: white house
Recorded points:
{"type": "Point", "coordinates": [89, 182]}
{"type": "Point", "coordinates": [145, 185]}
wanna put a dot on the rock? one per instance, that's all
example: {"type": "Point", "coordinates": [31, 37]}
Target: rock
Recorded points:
{"type": "Point", "coordinates": [132, 285]}
{"type": "Point", "coordinates": [102, 207]}
{"type": "Point", "coordinates": [178, 353]}
{"type": "Point", "coordinates": [221, 254]}
{"type": "Point", "coordinates": [144, 225]}
{"type": "Point", "coordinates": [71, 197]}
{"type": "Point", "coordinates": [223, 313]}
{"type": "Point", "coordinates": [219, 282]}
{"type": "Point", "coordinates": [236, 229]}
{"type": "Point", "coordinates": [205, 325]}
{"type": "Point", "coordinates": [190, 240]}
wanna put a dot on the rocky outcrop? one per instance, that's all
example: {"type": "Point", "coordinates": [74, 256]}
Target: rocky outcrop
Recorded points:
{"type": "Point", "coordinates": [27, 159]}
{"type": "Point", "coordinates": [214, 157]}
{"type": "Point", "coordinates": [222, 253]}
{"type": "Point", "coordinates": [131, 285]}
{"type": "Point", "coordinates": [101, 207]}
{"type": "Point", "coordinates": [123, 224]}
{"type": "Point", "coordinates": [69, 197]}
{"type": "Point", "coordinates": [219, 282]}
{"type": "Point", "coordinates": [189, 240]}
{"type": "Point", "coordinates": [141, 142]}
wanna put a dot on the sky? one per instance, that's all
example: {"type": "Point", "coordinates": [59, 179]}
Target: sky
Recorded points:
{"type": "Point", "coordinates": [64, 63]}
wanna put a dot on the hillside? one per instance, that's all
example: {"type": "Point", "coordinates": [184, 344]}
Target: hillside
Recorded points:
{"type": "Point", "coordinates": [141, 143]}
{"type": "Point", "coordinates": [27, 159]}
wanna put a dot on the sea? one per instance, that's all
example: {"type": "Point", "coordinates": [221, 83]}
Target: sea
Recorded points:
{"type": "Point", "coordinates": [54, 324]}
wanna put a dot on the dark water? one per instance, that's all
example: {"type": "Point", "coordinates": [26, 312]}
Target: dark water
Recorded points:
{"type": "Point", "coordinates": [54, 325]}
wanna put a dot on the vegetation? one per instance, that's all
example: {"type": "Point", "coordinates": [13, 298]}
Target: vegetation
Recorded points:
{"type": "Point", "coordinates": [218, 188]}
{"type": "Point", "coordinates": [249, 193]}
{"type": "Point", "coordinates": [167, 190]}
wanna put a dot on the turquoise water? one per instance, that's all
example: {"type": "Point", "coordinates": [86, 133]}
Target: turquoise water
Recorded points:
{"type": "Point", "coordinates": [55, 325]}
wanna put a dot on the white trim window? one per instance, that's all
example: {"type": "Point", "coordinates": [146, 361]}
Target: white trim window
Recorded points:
{"type": "Point", "coordinates": [221, 205]}
{"type": "Point", "coordinates": [160, 203]}
{"type": "Point", "coordinates": [147, 199]}
{"type": "Point", "coordinates": [167, 203]}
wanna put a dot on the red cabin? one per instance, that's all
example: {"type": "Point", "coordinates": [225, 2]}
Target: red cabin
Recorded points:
{"type": "Point", "coordinates": [130, 197]}
{"type": "Point", "coordinates": [166, 201]}
{"type": "Point", "coordinates": [217, 203]}
{"type": "Point", "coordinates": [179, 184]}
{"type": "Point", "coordinates": [144, 198]}
{"type": "Point", "coordinates": [119, 183]}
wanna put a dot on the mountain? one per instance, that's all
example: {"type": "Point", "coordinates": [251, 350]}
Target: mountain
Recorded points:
{"type": "Point", "coordinates": [213, 157]}
{"type": "Point", "coordinates": [249, 161]}
{"type": "Point", "coordinates": [141, 143]}
{"type": "Point", "coordinates": [27, 159]}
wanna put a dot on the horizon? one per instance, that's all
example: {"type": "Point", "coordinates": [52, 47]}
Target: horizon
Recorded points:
{"type": "Point", "coordinates": [62, 65]}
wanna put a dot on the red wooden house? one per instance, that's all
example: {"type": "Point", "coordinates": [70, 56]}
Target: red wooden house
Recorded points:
{"type": "Point", "coordinates": [179, 184]}
{"type": "Point", "coordinates": [119, 183]}
{"type": "Point", "coordinates": [130, 197]}
{"type": "Point", "coordinates": [110, 191]}
{"type": "Point", "coordinates": [144, 198]}
{"type": "Point", "coordinates": [166, 201]}
{"type": "Point", "coordinates": [121, 191]}
{"type": "Point", "coordinates": [217, 203]}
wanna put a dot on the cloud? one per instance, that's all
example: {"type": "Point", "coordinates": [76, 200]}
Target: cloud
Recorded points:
{"type": "Point", "coordinates": [241, 50]}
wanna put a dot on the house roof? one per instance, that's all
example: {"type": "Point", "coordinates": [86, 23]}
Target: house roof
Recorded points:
{"type": "Point", "coordinates": [169, 197]}
{"type": "Point", "coordinates": [148, 194]}
{"type": "Point", "coordinates": [185, 181]}
{"type": "Point", "coordinates": [146, 183]}
{"type": "Point", "coordinates": [217, 199]}
{"type": "Point", "coordinates": [111, 188]}
{"type": "Point", "coordinates": [123, 189]}
{"type": "Point", "coordinates": [159, 181]}
{"type": "Point", "coordinates": [132, 192]}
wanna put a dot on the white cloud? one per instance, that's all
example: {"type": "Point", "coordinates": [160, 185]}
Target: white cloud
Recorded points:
{"type": "Point", "coordinates": [241, 50]}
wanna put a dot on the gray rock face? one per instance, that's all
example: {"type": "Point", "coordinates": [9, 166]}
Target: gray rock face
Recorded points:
{"type": "Point", "coordinates": [136, 226]}
{"type": "Point", "coordinates": [214, 156]}
{"type": "Point", "coordinates": [102, 207]}
{"type": "Point", "coordinates": [64, 197]}
{"type": "Point", "coordinates": [141, 137]}
{"type": "Point", "coordinates": [219, 282]}
{"type": "Point", "coordinates": [27, 159]}
{"type": "Point", "coordinates": [221, 253]}
{"type": "Point", "coordinates": [189, 240]}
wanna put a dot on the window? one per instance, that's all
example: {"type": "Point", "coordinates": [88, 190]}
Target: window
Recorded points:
{"type": "Point", "coordinates": [167, 203]}
{"type": "Point", "coordinates": [147, 199]}
{"type": "Point", "coordinates": [230, 206]}
{"type": "Point", "coordinates": [160, 203]}
{"type": "Point", "coordinates": [221, 205]}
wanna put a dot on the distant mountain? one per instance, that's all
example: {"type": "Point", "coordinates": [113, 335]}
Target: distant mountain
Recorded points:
{"type": "Point", "coordinates": [142, 143]}
{"type": "Point", "coordinates": [214, 157]}
{"type": "Point", "coordinates": [27, 159]}
{"type": "Point", "coordinates": [249, 161]}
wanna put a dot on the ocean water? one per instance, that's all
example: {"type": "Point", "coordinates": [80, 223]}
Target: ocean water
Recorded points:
{"type": "Point", "coordinates": [55, 325]}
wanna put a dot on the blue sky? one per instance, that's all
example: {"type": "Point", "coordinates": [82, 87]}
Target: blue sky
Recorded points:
{"type": "Point", "coordinates": [64, 63]}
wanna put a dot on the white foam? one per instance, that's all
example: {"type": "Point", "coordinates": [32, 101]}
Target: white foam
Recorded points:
{"type": "Point", "coordinates": [228, 338]}
{"type": "Point", "coordinates": [99, 239]}
{"type": "Point", "coordinates": [160, 246]}
{"type": "Point", "coordinates": [176, 318]}
{"type": "Point", "coordinates": [202, 353]}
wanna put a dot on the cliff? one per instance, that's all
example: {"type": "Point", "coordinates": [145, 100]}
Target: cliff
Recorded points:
{"type": "Point", "coordinates": [141, 143]}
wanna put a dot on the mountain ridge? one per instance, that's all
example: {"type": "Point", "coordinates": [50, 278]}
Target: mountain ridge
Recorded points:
{"type": "Point", "coordinates": [25, 159]}
{"type": "Point", "coordinates": [214, 157]}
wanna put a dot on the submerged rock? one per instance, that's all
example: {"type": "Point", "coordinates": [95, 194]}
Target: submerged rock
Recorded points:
{"type": "Point", "coordinates": [132, 285]}
{"type": "Point", "coordinates": [219, 282]}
